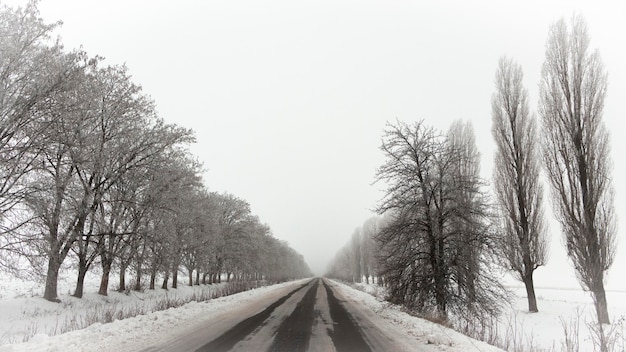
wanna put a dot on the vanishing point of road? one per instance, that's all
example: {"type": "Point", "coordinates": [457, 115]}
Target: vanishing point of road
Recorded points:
{"type": "Point", "coordinates": [311, 316]}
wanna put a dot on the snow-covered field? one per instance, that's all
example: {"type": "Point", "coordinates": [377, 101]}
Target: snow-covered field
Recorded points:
{"type": "Point", "coordinates": [544, 331]}
{"type": "Point", "coordinates": [573, 307]}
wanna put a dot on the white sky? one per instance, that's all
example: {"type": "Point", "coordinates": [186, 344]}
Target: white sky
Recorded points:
{"type": "Point", "coordinates": [289, 98]}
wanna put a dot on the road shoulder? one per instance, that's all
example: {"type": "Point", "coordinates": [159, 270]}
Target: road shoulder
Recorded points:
{"type": "Point", "coordinates": [406, 332]}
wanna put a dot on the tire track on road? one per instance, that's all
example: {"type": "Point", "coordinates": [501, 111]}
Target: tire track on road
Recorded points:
{"type": "Point", "coordinates": [294, 333]}
{"type": "Point", "coordinates": [346, 335]}
{"type": "Point", "coordinates": [230, 338]}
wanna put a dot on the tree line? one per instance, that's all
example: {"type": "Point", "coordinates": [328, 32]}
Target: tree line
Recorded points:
{"type": "Point", "coordinates": [440, 236]}
{"type": "Point", "coordinates": [91, 175]}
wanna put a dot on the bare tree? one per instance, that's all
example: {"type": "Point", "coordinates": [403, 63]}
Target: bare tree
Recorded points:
{"type": "Point", "coordinates": [576, 152]}
{"type": "Point", "coordinates": [434, 246]}
{"type": "Point", "coordinates": [414, 242]}
{"type": "Point", "coordinates": [516, 178]}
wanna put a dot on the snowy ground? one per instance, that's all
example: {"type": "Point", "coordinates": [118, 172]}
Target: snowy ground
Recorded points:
{"type": "Point", "coordinates": [24, 315]}
{"type": "Point", "coordinates": [544, 331]}
{"type": "Point", "coordinates": [20, 313]}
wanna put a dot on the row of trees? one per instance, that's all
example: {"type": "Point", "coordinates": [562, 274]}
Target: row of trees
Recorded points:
{"type": "Point", "coordinates": [441, 234]}
{"type": "Point", "coordinates": [575, 151]}
{"type": "Point", "coordinates": [357, 260]}
{"type": "Point", "coordinates": [89, 171]}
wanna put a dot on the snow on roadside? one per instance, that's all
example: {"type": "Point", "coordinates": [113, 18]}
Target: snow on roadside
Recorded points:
{"type": "Point", "coordinates": [25, 314]}
{"type": "Point", "coordinates": [443, 338]}
{"type": "Point", "coordinates": [544, 331]}
{"type": "Point", "coordinates": [137, 333]}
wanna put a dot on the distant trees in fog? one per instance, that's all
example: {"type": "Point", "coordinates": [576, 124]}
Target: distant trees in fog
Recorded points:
{"type": "Point", "coordinates": [90, 174]}
{"type": "Point", "coordinates": [358, 260]}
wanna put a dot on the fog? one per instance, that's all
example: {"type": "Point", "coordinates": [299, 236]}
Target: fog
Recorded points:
{"type": "Point", "coordinates": [288, 99]}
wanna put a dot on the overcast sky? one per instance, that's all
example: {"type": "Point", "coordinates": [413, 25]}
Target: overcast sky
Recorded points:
{"type": "Point", "coordinates": [288, 99]}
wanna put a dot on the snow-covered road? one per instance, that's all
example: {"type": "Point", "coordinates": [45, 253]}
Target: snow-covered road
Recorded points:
{"type": "Point", "coordinates": [304, 315]}
{"type": "Point", "coordinates": [314, 316]}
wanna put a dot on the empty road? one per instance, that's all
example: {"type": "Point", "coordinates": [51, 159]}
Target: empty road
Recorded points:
{"type": "Point", "coordinates": [314, 316]}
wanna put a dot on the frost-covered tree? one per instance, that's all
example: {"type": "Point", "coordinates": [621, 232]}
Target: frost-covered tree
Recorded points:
{"type": "Point", "coordinates": [90, 172]}
{"type": "Point", "coordinates": [516, 177]}
{"type": "Point", "coordinates": [434, 245]}
{"type": "Point", "coordinates": [410, 241]}
{"type": "Point", "coordinates": [576, 153]}
{"type": "Point", "coordinates": [32, 67]}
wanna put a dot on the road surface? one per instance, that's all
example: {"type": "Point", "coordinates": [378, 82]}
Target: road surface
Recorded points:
{"type": "Point", "coordinates": [314, 316]}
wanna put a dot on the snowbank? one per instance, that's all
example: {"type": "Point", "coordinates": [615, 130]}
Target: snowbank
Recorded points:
{"type": "Point", "coordinates": [424, 331]}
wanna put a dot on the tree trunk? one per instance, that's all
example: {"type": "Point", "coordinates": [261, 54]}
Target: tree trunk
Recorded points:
{"type": "Point", "coordinates": [80, 282]}
{"type": "Point", "coordinates": [197, 277]}
{"type": "Point", "coordinates": [530, 292]}
{"type": "Point", "coordinates": [52, 278]}
{"type": "Point", "coordinates": [138, 281]}
{"type": "Point", "coordinates": [204, 278]}
{"type": "Point", "coordinates": [175, 277]}
{"type": "Point", "coordinates": [599, 299]}
{"type": "Point", "coordinates": [104, 282]}
{"type": "Point", "coordinates": [139, 261]}
{"type": "Point", "coordinates": [165, 280]}
{"type": "Point", "coordinates": [437, 262]}
{"type": "Point", "coordinates": [123, 277]}
{"type": "Point", "coordinates": [152, 280]}
{"type": "Point", "coordinates": [190, 277]}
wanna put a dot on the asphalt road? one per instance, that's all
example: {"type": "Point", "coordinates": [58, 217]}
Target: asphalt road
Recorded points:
{"type": "Point", "coordinates": [314, 316]}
